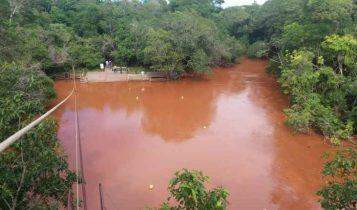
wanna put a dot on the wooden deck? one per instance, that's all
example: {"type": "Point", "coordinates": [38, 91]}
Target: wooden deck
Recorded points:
{"type": "Point", "coordinates": [110, 76]}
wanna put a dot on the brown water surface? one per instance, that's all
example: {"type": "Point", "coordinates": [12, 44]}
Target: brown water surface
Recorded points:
{"type": "Point", "coordinates": [229, 125]}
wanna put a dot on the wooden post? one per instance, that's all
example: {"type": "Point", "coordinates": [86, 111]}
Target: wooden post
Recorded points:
{"type": "Point", "coordinates": [69, 201]}
{"type": "Point", "coordinates": [101, 197]}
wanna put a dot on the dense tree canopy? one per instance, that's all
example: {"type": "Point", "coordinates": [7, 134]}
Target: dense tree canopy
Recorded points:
{"type": "Point", "coordinates": [188, 189]}
{"type": "Point", "coordinates": [86, 33]}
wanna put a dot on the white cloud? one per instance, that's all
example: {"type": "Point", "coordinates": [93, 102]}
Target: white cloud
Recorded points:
{"type": "Point", "coordinates": [230, 3]}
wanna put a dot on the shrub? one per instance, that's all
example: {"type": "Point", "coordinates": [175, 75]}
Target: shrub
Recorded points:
{"type": "Point", "coordinates": [340, 192]}
{"type": "Point", "coordinates": [317, 97]}
{"type": "Point", "coordinates": [189, 191]}
{"type": "Point", "coordinates": [258, 49]}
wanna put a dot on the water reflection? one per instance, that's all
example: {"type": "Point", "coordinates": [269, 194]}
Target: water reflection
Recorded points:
{"type": "Point", "coordinates": [179, 110]}
{"type": "Point", "coordinates": [174, 111]}
{"type": "Point", "coordinates": [229, 125]}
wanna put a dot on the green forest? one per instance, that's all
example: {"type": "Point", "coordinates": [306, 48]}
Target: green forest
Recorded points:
{"type": "Point", "coordinates": [311, 47]}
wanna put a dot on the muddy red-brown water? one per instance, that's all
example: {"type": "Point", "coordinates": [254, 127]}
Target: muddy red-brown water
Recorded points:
{"type": "Point", "coordinates": [229, 125]}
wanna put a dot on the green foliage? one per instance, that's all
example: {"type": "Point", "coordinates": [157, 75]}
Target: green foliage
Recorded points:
{"type": "Point", "coordinates": [130, 41]}
{"type": "Point", "coordinates": [340, 192]}
{"type": "Point", "coordinates": [342, 52]}
{"type": "Point", "coordinates": [186, 41]}
{"type": "Point", "coordinates": [84, 54]}
{"type": "Point", "coordinates": [204, 7]}
{"type": "Point", "coordinates": [258, 49]}
{"type": "Point", "coordinates": [33, 171]}
{"type": "Point", "coordinates": [160, 54]}
{"type": "Point", "coordinates": [188, 190]}
{"type": "Point", "coordinates": [198, 38]}
{"type": "Point", "coordinates": [59, 34]}
{"type": "Point", "coordinates": [334, 12]}
{"type": "Point", "coordinates": [294, 36]}
{"type": "Point", "coordinates": [274, 15]}
{"type": "Point", "coordinates": [24, 92]}
{"type": "Point", "coordinates": [236, 20]}
{"type": "Point", "coordinates": [299, 77]}
{"type": "Point", "coordinates": [318, 96]}
{"type": "Point", "coordinates": [199, 61]}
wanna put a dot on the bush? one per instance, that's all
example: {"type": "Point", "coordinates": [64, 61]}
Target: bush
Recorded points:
{"type": "Point", "coordinates": [317, 97]}
{"type": "Point", "coordinates": [189, 191]}
{"type": "Point", "coordinates": [340, 192]}
{"type": "Point", "coordinates": [274, 66]}
{"type": "Point", "coordinates": [24, 92]}
{"type": "Point", "coordinates": [258, 49]}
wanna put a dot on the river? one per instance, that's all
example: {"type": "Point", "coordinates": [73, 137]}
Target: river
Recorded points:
{"type": "Point", "coordinates": [230, 125]}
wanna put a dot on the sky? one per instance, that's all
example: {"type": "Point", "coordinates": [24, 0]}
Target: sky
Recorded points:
{"type": "Point", "coordinates": [230, 3]}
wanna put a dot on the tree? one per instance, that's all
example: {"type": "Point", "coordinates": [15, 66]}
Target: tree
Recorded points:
{"type": "Point", "coordinates": [236, 20]}
{"type": "Point", "coordinates": [130, 42]}
{"type": "Point", "coordinates": [82, 53]}
{"type": "Point", "coordinates": [274, 14]}
{"type": "Point", "coordinates": [316, 97]}
{"type": "Point", "coordinates": [294, 36]}
{"type": "Point", "coordinates": [189, 191]}
{"type": "Point", "coordinates": [199, 61]}
{"type": "Point", "coordinates": [33, 171]}
{"type": "Point", "coordinates": [85, 19]}
{"type": "Point", "coordinates": [159, 53]}
{"type": "Point", "coordinates": [334, 12]}
{"type": "Point", "coordinates": [258, 49]}
{"type": "Point", "coordinates": [198, 41]}
{"type": "Point", "coordinates": [342, 52]}
{"type": "Point", "coordinates": [204, 7]}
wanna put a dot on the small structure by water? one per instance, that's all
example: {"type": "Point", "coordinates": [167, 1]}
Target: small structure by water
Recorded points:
{"type": "Point", "coordinates": [117, 76]}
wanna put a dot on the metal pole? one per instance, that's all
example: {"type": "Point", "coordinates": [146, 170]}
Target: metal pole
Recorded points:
{"type": "Point", "coordinates": [101, 197]}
